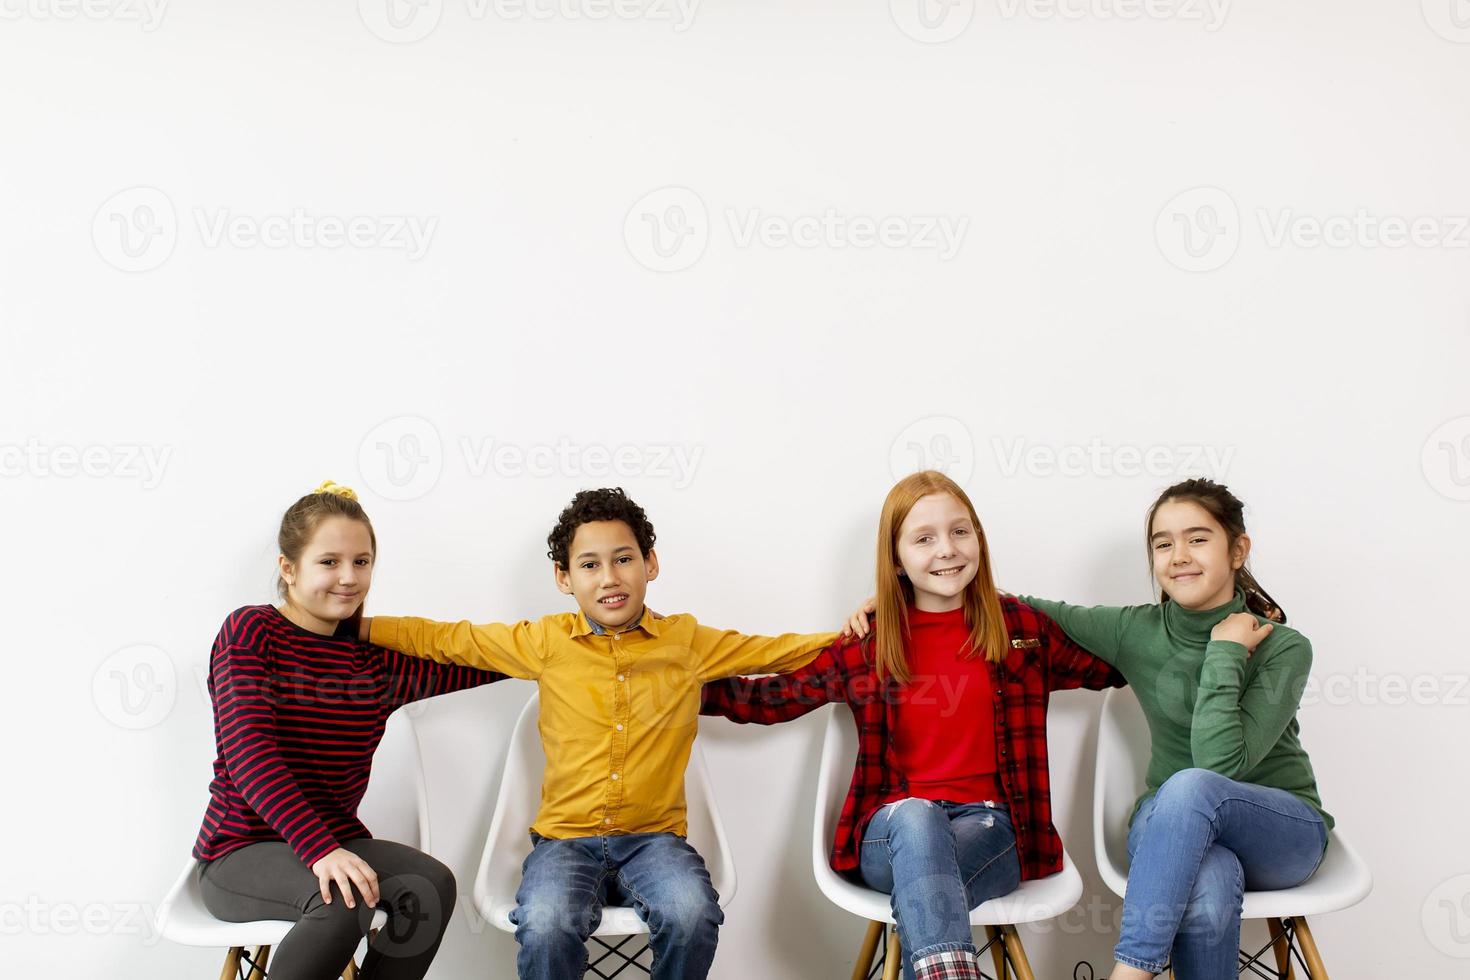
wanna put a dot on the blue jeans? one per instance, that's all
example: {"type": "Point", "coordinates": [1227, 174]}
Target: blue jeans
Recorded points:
{"type": "Point", "coordinates": [938, 861]}
{"type": "Point", "coordinates": [565, 883]}
{"type": "Point", "coordinates": [1196, 846]}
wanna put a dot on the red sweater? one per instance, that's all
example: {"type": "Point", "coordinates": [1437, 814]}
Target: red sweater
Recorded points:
{"type": "Point", "coordinates": [944, 722]}
{"type": "Point", "coordinates": [297, 716]}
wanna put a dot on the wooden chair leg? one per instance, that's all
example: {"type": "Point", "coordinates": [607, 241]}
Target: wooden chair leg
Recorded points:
{"type": "Point", "coordinates": [1282, 947]}
{"type": "Point", "coordinates": [997, 951]}
{"type": "Point", "coordinates": [1316, 969]}
{"type": "Point", "coordinates": [260, 958]}
{"type": "Point", "coordinates": [1017, 953]}
{"type": "Point", "coordinates": [232, 964]}
{"type": "Point", "coordinates": [867, 951]}
{"type": "Point", "coordinates": [893, 965]}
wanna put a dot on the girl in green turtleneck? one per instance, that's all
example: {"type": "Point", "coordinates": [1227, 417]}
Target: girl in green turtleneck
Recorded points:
{"type": "Point", "coordinates": [1231, 802]}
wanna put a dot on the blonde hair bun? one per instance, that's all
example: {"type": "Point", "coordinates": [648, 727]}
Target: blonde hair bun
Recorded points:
{"type": "Point", "coordinates": [336, 488]}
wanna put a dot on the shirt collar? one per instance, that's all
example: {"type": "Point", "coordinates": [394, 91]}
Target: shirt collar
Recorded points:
{"type": "Point", "coordinates": [590, 627]}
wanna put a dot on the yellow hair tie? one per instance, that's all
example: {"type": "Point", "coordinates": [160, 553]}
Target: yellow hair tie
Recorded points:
{"type": "Point", "coordinates": [329, 487]}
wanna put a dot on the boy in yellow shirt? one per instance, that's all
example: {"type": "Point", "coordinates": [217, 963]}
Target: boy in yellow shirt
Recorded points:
{"type": "Point", "coordinates": [620, 695]}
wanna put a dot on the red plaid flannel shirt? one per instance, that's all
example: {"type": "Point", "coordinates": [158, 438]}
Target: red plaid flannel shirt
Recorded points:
{"type": "Point", "coordinates": [1042, 659]}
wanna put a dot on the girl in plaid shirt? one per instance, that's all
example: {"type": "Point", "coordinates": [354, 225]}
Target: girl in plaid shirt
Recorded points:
{"type": "Point", "coordinates": [950, 800]}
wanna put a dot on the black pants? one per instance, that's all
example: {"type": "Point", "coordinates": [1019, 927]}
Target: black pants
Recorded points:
{"type": "Point", "coordinates": [268, 881]}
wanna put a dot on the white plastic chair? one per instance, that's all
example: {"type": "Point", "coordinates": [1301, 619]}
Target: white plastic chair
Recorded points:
{"type": "Point", "coordinates": [394, 807]}
{"type": "Point", "coordinates": [1343, 880]}
{"type": "Point", "coordinates": [508, 843]}
{"type": "Point", "coordinates": [1034, 901]}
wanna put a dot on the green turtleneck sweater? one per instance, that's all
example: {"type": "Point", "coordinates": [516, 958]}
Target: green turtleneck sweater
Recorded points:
{"type": "Point", "coordinates": [1208, 704]}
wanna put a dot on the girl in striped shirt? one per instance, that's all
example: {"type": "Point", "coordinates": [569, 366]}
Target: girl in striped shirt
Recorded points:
{"type": "Point", "coordinates": [300, 705]}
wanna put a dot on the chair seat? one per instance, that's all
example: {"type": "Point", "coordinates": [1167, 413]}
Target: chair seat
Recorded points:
{"type": "Point", "coordinates": [184, 919]}
{"type": "Point", "coordinates": [617, 920]}
{"type": "Point", "coordinates": [1033, 901]}
{"type": "Point", "coordinates": [1342, 881]}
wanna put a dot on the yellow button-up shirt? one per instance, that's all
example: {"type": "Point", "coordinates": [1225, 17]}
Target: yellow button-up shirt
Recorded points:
{"type": "Point", "coordinates": [619, 711]}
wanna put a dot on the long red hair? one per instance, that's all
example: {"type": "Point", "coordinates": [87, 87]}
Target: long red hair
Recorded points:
{"type": "Point", "coordinates": [895, 593]}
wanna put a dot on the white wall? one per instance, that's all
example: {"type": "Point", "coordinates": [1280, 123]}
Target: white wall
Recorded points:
{"type": "Point", "coordinates": [1328, 380]}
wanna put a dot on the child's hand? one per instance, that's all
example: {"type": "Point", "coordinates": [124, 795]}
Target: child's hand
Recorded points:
{"type": "Point", "coordinates": [346, 869]}
{"type": "Point", "coordinates": [857, 623]}
{"type": "Point", "coordinates": [1242, 628]}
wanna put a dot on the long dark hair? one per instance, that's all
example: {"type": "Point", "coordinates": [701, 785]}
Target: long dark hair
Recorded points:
{"type": "Point", "coordinates": [1229, 513]}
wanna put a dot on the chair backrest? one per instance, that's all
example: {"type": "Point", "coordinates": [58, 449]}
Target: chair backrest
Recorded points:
{"type": "Point", "coordinates": [839, 757]}
{"type": "Point", "coordinates": [396, 804]}
{"type": "Point", "coordinates": [1123, 748]}
{"type": "Point", "coordinates": [394, 807]}
{"type": "Point", "coordinates": [508, 842]}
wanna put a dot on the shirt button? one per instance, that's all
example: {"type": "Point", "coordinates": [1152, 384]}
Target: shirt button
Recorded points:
{"type": "Point", "coordinates": [620, 726]}
{"type": "Point", "coordinates": [620, 677]}
{"type": "Point", "coordinates": [607, 820]}
{"type": "Point", "coordinates": [614, 776]}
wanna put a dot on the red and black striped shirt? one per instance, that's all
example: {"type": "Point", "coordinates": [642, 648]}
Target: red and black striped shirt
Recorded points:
{"type": "Point", "coordinates": [1042, 659]}
{"type": "Point", "coordinates": [297, 717]}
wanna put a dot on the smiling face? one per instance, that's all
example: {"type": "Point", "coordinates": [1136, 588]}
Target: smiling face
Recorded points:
{"type": "Point", "coordinates": [607, 573]}
{"type": "Point", "coordinates": [330, 580]}
{"type": "Point", "coordinates": [1194, 559]}
{"type": "Point", "coordinates": [938, 551]}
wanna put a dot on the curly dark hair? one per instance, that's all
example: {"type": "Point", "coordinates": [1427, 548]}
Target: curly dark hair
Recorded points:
{"type": "Point", "coordinates": [606, 504]}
